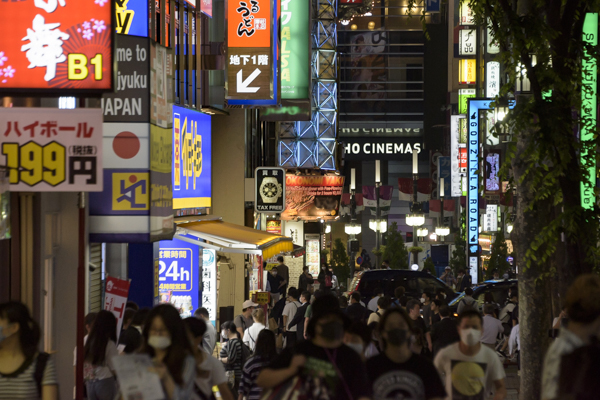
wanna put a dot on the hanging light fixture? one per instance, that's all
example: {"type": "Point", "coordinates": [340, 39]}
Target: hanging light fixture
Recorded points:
{"type": "Point", "coordinates": [422, 232]}
{"type": "Point", "coordinates": [415, 219]}
{"type": "Point", "coordinates": [378, 225]}
{"type": "Point", "coordinates": [353, 229]}
{"type": "Point", "coordinates": [442, 230]}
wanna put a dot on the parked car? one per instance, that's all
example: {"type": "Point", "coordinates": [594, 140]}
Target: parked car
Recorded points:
{"type": "Point", "coordinates": [498, 289]}
{"type": "Point", "coordinates": [415, 283]}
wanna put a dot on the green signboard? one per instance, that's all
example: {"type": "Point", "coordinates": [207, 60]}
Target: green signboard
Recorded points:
{"type": "Point", "coordinates": [295, 49]}
{"type": "Point", "coordinates": [463, 97]}
{"type": "Point", "coordinates": [588, 107]}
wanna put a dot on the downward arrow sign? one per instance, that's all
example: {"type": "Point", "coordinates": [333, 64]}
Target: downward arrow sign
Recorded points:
{"type": "Point", "coordinates": [242, 85]}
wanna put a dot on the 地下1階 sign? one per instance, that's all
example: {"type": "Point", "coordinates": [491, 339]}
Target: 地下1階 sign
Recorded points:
{"type": "Point", "coordinates": [270, 190]}
{"type": "Point", "coordinates": [56, 45]}
{"type": "Point", "coordinates": [51, 150]}
{"type": "Point", "coordinates": [251, 59]}
{"type": "Point", "coordinates": [295, 49]}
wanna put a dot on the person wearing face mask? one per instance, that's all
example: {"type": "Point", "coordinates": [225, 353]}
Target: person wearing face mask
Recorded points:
{"type": "Point", "coordinates": [25, 373]}
{"type": "Point", "coordinates": [470, 369]}
{"type": "Point", "coordinates": [329, 368]}
{"type": "Point", "coordinates": [397, 372]}
{"type": "Point", "coordinates": [99, 351]}
{"type": "Point", "coordinates": [382, 304]}
{"type": "Point", "coordinates": [166, 341]}
{"type": "Point", "coordinates": [232, 355]}
{"type": "Point", "coordinates": [276, 282]}
{"type": "Point", "coordinates": [299, 319]}
{"type": "Point", "coordinates": [358, 338]}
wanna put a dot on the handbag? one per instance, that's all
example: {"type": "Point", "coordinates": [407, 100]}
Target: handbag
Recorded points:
{"type": "Point", "coordinates": [292, 389]}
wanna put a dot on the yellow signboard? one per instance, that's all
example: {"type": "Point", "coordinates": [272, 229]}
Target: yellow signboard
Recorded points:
{"type": "Point", "coordinates": [130, 191]}
{"type": "Point", "coordinates": [466, 71]}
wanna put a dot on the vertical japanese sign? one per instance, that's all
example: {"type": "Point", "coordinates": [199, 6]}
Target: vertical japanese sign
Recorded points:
{"type": "Point", "coordinates": [251, 59]}
{"type": "Point", "coordinates": [466, 14]}
{"type": "Point", "coordinates": [490, 223]}
{"type": "Point", "coordinates": [209, 283]}
{"type": "Point", "coordinates": [115, 298]}
{"type": "Point", "coordinates": [161, 191]}
{"type": "Point", "coordinates": [192, 165]}
{"type": "Point", "coordinates": [444, 171]}
{"type": "Point", "coordinates": [473, 186]}
{"type": "Point", "coordinates": [467, 71]}
{"type": "Point", "coordinates": [492, 81]}
{"type": "Point", "coordinates": [463, 98]}
{"type": "Point", "coordinates": [467, 42]}
{"type": "Point", "coordinates": [492, 169]}
{"type": "Point", "coordinates": [56, 44]}
{"type": "Point", "coordinates": [131, 17]}
{"type": "Point", "coordinates": [456, 174]}
{"type": "Point", "coordinates": [313, 252]}
{"type": "Point", "coordinates": [588, 107]}
{"type": "Point", "coordinates": [295, 49]}
{"type": "Point", "coordinates": [162, 89]}
{"type": "Point", "coordinates": [178, 275]}
{"type": "Point", "coordinates": [48, 150]}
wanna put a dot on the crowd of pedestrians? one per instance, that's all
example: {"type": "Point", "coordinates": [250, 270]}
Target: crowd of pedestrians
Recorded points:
{"type": "Point", "coordinates": [319, 345]}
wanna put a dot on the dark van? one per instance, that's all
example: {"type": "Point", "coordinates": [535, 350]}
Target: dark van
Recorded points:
{"type": "Point", "coordinates": [414, 282]}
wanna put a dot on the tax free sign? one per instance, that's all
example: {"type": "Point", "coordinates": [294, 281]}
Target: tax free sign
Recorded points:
{"type": "Point", "coordinates": [251, 56]}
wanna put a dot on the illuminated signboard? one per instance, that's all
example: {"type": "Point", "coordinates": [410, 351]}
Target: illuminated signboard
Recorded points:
{"type": "Point", "coordinates": [192, 165]}
{"type": "Point", "coordinates": [492, 46]}
{"type": "Point", "coordinates": [492, 170]}
{"type": "Point", "coordinates": [490, 223]}
{"type": "Point", "coordinates": [56, 45]}
{"type": "Point", "coordinates": [362, 149]}
{"type": "Point", "coordinates": [467, 42]}
{"type": "Point", "coordinates": [463, 98]}
{"type": "Point", "coordinates": [52, 150]}
{"type": "Point", "coordinates": [455, 155]}
{"type": "Point", "coordinates": [131, 17]}
{"type": "Point", "coordinates": [492, 79]}
{"type": "Point", "coordinates": [209, 283]}
{"type": "Point", "coordinates": [178, 275]}
{"type": "Point", "coordinates": [295, 49]}
{"type": "Point", "coordinates": [251, 56]}
{"type": "Point", "coordinates": [466, 14]}
{"type": "Point", "coordinates": [588, 108]}
{"type": "Point", "coordinates": [466, 71]}
{"type": "Point", "coordinates": [206, 7]}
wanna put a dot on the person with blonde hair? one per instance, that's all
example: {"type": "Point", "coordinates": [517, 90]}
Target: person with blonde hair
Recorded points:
{"type": "Point", "coordinates": [251, 334]}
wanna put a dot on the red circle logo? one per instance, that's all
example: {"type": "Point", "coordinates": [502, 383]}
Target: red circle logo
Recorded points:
{"type": "Point", "coordinates": [126, 145]}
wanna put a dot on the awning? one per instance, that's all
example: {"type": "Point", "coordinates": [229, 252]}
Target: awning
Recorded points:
{"type": "Point", "coordinates": [232, 238]}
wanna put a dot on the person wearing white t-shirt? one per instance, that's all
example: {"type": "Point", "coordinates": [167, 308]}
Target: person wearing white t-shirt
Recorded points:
{"type": "Point", "coordinates": [492, 327]}
{"type": "Point", "coordinates": [210, 371]}
{"type": "Point", "coordinates": [289, 312]}
{"type": "Point", "coordinates": [469, 369]}
{"type": "Point", "coordinates": [251, 334]}
{"type": "Point", "coordinates": [372, 305]}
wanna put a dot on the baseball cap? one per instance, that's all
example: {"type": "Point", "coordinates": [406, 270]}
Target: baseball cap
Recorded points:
{"type": "Point", "coordinates": [248, 304]}
{"type": "Point", "coordinates": [448, 267]}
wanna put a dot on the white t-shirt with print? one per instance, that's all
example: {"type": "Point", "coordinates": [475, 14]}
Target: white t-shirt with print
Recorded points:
{"type": "Point", "coordinates": [216, 374]}
{"type": "Point", "coordinates": [469, 377]}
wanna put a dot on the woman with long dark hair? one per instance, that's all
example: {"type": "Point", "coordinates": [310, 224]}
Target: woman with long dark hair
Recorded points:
{"type": "Point", "coordinates": [24, 372]}
{"type": "Point", "coordinates": [99, 350]}
{"type": "Point", "coordinates": [265, 351]}
{"type": "Point", "coordinates": [167, 342]}
{"type": "Point", "coordinates": [232, 355]}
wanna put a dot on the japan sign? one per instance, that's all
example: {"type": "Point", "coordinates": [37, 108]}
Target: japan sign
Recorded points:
{"type": "Point", "coordinates": [250, 56]}
{"type": "Point", "coordinates": [270, 190]}
{"type": "Point", "coordinates": [54, 45]}
{"type": "Point", "coordinates": [51, 150]}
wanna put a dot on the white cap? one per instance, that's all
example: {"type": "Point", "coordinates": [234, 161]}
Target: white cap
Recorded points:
{"type": "Point", "coordinates": [248, 304]}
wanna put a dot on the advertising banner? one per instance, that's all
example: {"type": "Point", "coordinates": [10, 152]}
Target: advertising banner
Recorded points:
{"type": "Point", "coordinates": [492, 81]}
{"type": "Point", "coordinates": [115, 298]}
{"type": "Point", "coordinates": [179, 265]}
{"type": "Point", "coordinates": [162, 89]}
{"type": "Point", "coordinates": [295, 230]}
{"type": "Point", "coordinates": [455, 171]}
{"type": "Point", "coordinates": [313, 253]}
{"type": "Point", "coordinates": [269, 191]}
{"type": "Point", "coordinates": [51, 150]}
{"type": "Point", "coordinates": [363, 149]}
{"type": "Point", "coordinates": [56, 45]}
{"type": "Point", "coordinates": [312, 197]}
{"type": "Point", "coordinates": [251, 59]}
{"type": "Point", "coordinates": [295, 49]}
{"type": "Point", "coordinates": [192, 163]}
{"type": "Point", "coordinates": [209, 283]}
{"type": "Point", "coordinates": [492, 169]}
{"type": "Point", "coordinates": [274, 226]}
{"type": "Point", "coordinates": [161, 190]}
{"type": "Point", "coordinates": [132, 17]}
{"type": "Point", "coordinates": [130, 102]}
{"type": "Point", "coordinates": [206, 7]}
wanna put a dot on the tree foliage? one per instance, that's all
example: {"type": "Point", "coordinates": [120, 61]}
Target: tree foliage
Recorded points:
{"type": "Point", "coordinates": [429, 265]}
{"type": "Point", "coordinates": [458, 260]}
{"type": "Point", "coordinates": [340, 262]}
{"type": "Point", "coordinates": [498, 257]}
{"type": "Point", "coordinates": [395, 250]}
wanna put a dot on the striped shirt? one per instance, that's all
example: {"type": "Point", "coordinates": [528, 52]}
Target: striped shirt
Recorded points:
{"type": "Point", "coordinates": [252, 368]}
{"type": "Point", "coordinates": [235, 355]}
{"type": "Point", "coordinates": [23, 386]}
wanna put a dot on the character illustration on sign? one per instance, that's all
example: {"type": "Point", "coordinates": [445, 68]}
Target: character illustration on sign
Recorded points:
{"type": "Point", "coordinates": [246, 27]}
{"type": "Point", "coordinates": [45, 46]}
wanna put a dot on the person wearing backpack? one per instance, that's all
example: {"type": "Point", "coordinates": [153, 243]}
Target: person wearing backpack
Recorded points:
{"type": "Point", "coordinates": [25, 373]}
{"type": "Point", "coordinates": [232, 355]}
{"type": "Point", "coordinates": [382, 304]}
{"type": "Point", "coordinates": [251, 334]}
{"type": "Point", "coordinates": [244, 320]}
{"type": "Point", "coordinates": [467, 302]}
{"type": "Point", "coordinates": [289, 312]}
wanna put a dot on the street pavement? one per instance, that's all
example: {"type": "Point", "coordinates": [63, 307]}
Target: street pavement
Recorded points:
{"type": "Point", "coordinates": [512, 382]}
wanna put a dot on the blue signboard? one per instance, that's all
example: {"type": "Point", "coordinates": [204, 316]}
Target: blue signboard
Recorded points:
{"type": "Point", "coordinates": [432, 6]}
{"type": "Point", "coordinates": [132, 17]}
{"type": "Point", "coordinates": [178, 275]}
{"type": "Point", "coordinates": [192, 162]}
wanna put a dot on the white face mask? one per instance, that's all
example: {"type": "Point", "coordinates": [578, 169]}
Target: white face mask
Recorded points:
{"type": "Point", "coordinates": [470, 336]}
{"type": "Point", "coordinates": [422, 300]}
{"type": "Point", "coordinates": [357, 347]}
{"type": "Point", "coordinates": [159, 342]}
{"type": "Point", "coordinates": [274, 273]}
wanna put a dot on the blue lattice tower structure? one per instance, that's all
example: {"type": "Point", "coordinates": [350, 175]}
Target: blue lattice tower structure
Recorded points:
{"type": "Point", "coordinates": [312, 144]}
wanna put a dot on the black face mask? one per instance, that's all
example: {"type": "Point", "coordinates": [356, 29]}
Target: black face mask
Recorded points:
{"type": "Point", "coordinates": [332, 331]}
{"type": "Point", "coordinates": [397, 337]}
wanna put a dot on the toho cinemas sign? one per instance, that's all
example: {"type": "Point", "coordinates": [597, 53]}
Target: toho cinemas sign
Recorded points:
{"type": "Point", "coordinates": [364, 149]}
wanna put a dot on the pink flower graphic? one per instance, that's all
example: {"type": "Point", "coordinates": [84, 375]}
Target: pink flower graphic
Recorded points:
{"type": "Point", "coordinates": [3, 58]}
{"type": "Point", "coordinates": [99, 26]}
{"type": "Point", "coordinates": [88, 34]}
{"type": "Point", "coordinates": [86, 25]}
{"type": "Point", "coordinates": [101, 2]}
{"type": "Point", "coordinates": [9, 72]}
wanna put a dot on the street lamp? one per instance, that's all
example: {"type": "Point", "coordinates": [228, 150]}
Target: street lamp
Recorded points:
{"type": "Point", "coordinates": [509, 227]}
{"type": "Point", "coordinates": [378, 225]}
{"type": "Point", "coordinates": [415, 219]}
{"type": "Point", "coordinates": [422, 232]}
{"type": "Point", "coordinates": [442, 230]}
{"type": "Point", "coordinates": [352, 229]}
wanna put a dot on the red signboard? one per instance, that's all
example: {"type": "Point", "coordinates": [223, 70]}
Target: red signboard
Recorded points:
{"type": "Point", "coordinates": [115, 298]}
{"type": "Point", "coordinates": [56, 44]}
{"type": "Point", "coordinates": [206, 7]}
{"type": "Point", "coordinates": [462, 161]}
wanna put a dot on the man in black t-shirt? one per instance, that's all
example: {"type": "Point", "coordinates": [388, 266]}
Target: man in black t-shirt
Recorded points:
{"type": "Point", "coordinates": [397, 373]}
{"type": "Point", "coordinates": [414, 312]}
{"type": "Point", "coordinates": [330, 369]}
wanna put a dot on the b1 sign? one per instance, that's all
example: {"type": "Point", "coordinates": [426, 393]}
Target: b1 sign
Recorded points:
{"type": "Point", "coordinates": [51, 150]}
{"type": "Point", "coordinates": [56, 45]}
